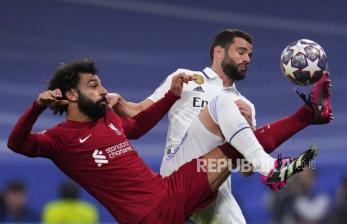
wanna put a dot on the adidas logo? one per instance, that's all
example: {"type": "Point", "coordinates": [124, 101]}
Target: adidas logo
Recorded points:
{"type": "Point", "coordinates": [198, 89]}
{"type": "Point", "coordinates": [99, 158]}
{"type": "Point", "coordinates": [320, 108]}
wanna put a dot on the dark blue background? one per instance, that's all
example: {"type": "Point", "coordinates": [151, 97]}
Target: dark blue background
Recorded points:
{"type": "Point", "coordinates": [138, 43]}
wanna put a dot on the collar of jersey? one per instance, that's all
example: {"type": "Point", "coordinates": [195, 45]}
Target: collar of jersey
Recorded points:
{"type": "Point", "coordinates": [78, 124]}
{"type": "Point", "coordinates": [210, 74]}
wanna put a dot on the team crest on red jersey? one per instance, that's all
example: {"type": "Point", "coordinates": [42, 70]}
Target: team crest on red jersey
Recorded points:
{"type": "Point", "coordinates": [114, 129]}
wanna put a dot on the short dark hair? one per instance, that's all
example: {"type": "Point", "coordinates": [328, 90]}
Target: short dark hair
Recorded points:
{"type": "Point", "coordinates": [226, 37]}
{"type": "Point", "coordinates": [69, 190]}
{"type": "Point", "coordinates": [15, 186]}
{"type": "Point", "coordinates": [67, 76]}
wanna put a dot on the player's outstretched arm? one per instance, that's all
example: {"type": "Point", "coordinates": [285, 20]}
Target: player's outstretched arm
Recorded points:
{"type": "Point", "coordinates": [21, 140]}
{"type": "Point", "coordinates": [140, 124]}
{"type": "Point", "coordinates": [126, 108]}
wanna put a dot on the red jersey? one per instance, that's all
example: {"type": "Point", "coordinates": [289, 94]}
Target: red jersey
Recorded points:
{"type": "Point", "coordinates": [99, 157]}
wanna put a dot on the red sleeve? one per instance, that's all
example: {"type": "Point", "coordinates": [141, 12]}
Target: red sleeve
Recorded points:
{"type": "Point", "coordinates": [22, 141]}
{"type": "Point", "coordinates": [144, 121]}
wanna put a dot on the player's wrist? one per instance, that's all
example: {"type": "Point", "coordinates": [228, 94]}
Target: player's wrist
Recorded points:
{"type": "Point", "coordinates": [37, 104]}
{"type": "Point", "coordinates": [171, 94]}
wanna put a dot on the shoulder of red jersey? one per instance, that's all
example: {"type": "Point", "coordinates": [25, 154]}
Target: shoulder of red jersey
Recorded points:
{"type": "Point", "coordinates": [52, 131]}
{"type": "Point", "coordinates": [112, 115]}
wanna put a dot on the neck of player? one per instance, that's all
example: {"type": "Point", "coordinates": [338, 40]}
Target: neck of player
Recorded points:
{"type": "Point", "coordinates": [219, 71]}
{"type": "Point", "coordinates": [74, 114]}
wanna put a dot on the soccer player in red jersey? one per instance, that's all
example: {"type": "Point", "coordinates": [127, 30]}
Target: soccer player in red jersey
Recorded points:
{"type": "Point", "coordinates": [92, 148]}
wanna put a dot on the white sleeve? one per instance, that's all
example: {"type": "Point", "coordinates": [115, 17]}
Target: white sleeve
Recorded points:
{"type": "Point", "coordinates": [252, 109]}
{"type": "Point", "coordinates": [233, 125]}
{"type": "Point", "coordinates": [163, 87]}
{"type": "Point", "coordinates": [253, 116]}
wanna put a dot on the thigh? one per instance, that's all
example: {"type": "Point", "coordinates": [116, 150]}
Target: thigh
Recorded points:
{"type": "Point", "coordinates": [171, 210]}
{"type": "Point", "coordinates": [217, 167]}
{"type": "Point", "coordinates": [191, 182]}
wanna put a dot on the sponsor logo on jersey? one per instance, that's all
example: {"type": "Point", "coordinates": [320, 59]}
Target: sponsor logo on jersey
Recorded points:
{"type": "Point", "coordinates": [198, 102]}
{"type": "Point", "coordinates": [114, 129]}
{"type": "Point", "coordinates": [99, 157]}
{"type": "Point", "coordinates": [199, 89]}
{"type": "Point", "coordinates": [172, 152]}
{"type": "Point", "coordinates": [199, 79]}
{"type": "Point", "coordinates": [119, 149]}
{"type": "Point", "coordinates": [85, 139]}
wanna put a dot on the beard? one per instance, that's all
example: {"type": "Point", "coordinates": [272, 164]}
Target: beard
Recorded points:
{"type": "Point", "coordinates": [230, 68]}
{"type": "Point", "coordinates": [92, 109]}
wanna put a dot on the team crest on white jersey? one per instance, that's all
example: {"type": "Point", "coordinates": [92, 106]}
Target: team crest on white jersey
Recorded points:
{"type": "Point", "coordinates": [99, 158]}
{"type": "Point", "coordinates": [114, 129]}
{"type": "Point", "coordinates": [199, 79]}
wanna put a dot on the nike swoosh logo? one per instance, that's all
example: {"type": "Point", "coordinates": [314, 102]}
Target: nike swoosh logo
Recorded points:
{"type": "Point", "coordinates": [84, 139]}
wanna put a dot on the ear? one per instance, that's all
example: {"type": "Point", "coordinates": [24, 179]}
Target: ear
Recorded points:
{"type": "Point", "coordinates": [72, 95]}
{"type": "Point", "coordinates": [218, 52]}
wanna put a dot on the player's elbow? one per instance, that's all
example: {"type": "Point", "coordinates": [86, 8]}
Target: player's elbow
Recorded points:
{"type": "Point", "coordinates": [13, 145]}
{"type": "Point", "coordinates": [20, 149]}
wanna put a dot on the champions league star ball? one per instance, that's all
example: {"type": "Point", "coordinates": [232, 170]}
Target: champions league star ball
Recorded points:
{"type": "Point", "coordinates": [303, 62]}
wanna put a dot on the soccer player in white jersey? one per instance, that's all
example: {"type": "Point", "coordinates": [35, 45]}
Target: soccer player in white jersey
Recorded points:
{"type": "Point", "coordinates": [196, 96]}
{"type": "Point", "coordinates": [230, 53]}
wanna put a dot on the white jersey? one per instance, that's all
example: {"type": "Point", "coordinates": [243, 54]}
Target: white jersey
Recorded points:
{"type": "Point", "coordinates": [195, 96]}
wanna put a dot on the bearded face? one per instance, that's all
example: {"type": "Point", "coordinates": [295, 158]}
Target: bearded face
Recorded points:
{"type": "Point", "coordinates": [232, 70]}
{"type": "Point", "coordinates": [92, 109]}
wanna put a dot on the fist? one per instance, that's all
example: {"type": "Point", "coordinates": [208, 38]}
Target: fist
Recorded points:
{"type": "Point", "coordinates": [177, 82]}
{"type": "Point", "coordinates": [113, 99]}
{"type": "Point", "coordinates": [51, 98]}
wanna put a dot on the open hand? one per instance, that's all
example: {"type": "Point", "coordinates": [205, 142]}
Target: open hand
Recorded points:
{"type": "Point", "coordinates": [246, 111]}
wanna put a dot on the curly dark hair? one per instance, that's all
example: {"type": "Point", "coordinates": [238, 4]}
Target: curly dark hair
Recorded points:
{"type": "Point", "coordinates": [67, 76]}
{"type": "Point", "coordinates": [226, 37]}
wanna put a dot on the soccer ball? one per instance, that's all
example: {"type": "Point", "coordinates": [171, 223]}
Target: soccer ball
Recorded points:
{"type": "Point", "coordinates": [303, 62]}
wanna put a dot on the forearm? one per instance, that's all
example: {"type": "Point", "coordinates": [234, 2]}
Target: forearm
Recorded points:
{"type": "Point", "coordinates": [148, 118]}
{"type": "Point", "coordinates": [20, 134]}
{"type": "Point", "coordinates": [129, 109]}
{"type": "Point", "coordinates": [126, 109]}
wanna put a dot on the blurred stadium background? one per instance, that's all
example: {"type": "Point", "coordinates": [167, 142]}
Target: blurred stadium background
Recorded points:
{"type": "Point", "coordinates": [138, 43]}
